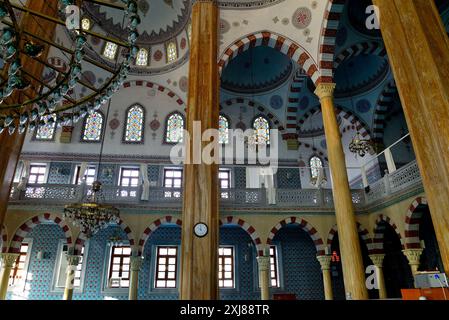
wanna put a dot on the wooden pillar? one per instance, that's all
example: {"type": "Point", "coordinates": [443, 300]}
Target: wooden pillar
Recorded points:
{"type": "Point", "coordinates": [72, 263]}
{"type": "Point", "coordinates": [199, 255]}
{"type": "Point", "coordinates": [351, 254]}
{"type": "Point", "coordinates": [378, 260]}
{"type": "Point", "coordinates": [135, 265]}
{"type": "Point", "coordinates": [325, 262]}
{"type": "Point", "coordinates": [11, 145]}
{"type": "Point", "coordinates": [418, 51]}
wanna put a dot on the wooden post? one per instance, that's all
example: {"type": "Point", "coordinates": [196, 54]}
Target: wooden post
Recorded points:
{"type": "Point", "coordinates": [418, 51]}
{"type": "Point", "coordinates": [199, 256]}
{"type": "Point", "coordinates": [351, 254]}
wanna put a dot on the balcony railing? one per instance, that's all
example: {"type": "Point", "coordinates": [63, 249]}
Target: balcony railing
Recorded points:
{"type": "Point", "coordinates": [406, 178]}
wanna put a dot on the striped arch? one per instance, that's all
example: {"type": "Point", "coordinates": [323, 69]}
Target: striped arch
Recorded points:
{"type": "Point", "coordinates": [306, 226]}
{"type": "Point", "coordinates": [384, 102]}
{"type": "Point", "coordinates": [25, 228]}
{"type": "Point", "coordinates": [331, 23]}
{"type": "Point", "coordinates": [4, 237]}
{"type": "Point", "coordinates": [412, 220]}
{"type": "Point", "coordinates": [363, 233]}
{"type": "Point", "coordinates": [298, 82]}
{"type": "Point", "coordinates": [314, 149]}
{"type": "Point", "coordinates": [378, 240]}
{"type": "Point", "coordinates": [360, 126]}
{"type": "Point", "coordinates": [277, 42]}
{"type": "Point", "coordinates": [369, 48]}
{"type": "Point", "coordinates": [148, 84]}
{"type": "Point", "coordinates": [248, 228]}
{"type": "Point", "coordinates": [152, 227]}
{"type": "Point", "coordinates": [82, 237]}
{"type": "Point", "coordinates": [260, 108]}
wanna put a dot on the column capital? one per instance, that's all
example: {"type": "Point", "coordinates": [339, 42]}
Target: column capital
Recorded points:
{"type": "Point", "coordinates": [377, 259]}
{"type": "Point", "coordinates": [8, 259]}
{"type": "Point", "coordinates": [264, 263]}
{"type": "Point", "coordinates": [413, 255]}
{"type": "Point", "coordinates": [73, 260]}
{"type": "Point", "coordinates": [325, 90]}
{"type": "Point", "coordinates": [325, 261]}
{"type": "Point", "coordinates": [136, 263]}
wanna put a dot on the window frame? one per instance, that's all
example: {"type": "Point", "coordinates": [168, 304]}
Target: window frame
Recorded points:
{"type": "Point", "coordinates": [229, 128]}
{"type": "Point", "coordinates": [167, 118]}
{"type": "Point", "coordinates": [21, 285]}
{"type": "Point", "coordinates": [156, 267]}
{"type": "Point", "coordinates": [234, 267]}
{"type": "Point", "coordinates": [39, 164]}
{"type": "Point", "coordinates": [102, 130]}
{"type": "Point", "coordinates": [105, 288]}
{"type": "Point", "coordinates": [276, 266]}
{"type": "Point", "coordinates": [167, 44]}
{"type": "Point", "coordinates": [142, 130]}
{"type": "Point", "coordinates": [253, 121]}
{"type": "Point", "coordinates": [310, 165]}
{"type": "Point", "coordinates": [172, 193]}
{"type": "Point", "coordinates": [76, 178]}
{"type": "Point", "coordinates": [147, 62]}
{"type": "Point", "coordinates": [120, 177]}
{"type": "Point", "coordinates": [115, 53]}
{"type": "Point", "coordinates": [53, 137]}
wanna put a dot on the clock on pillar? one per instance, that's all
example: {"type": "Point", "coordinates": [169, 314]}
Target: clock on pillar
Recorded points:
{"type": "Point", "coordinates": [200, 229]}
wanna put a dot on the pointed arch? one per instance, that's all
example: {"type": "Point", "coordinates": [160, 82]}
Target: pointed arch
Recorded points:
{"type": "Point", "coordinates": [412, 221]}
{"type": "Point", "coordinates": [175, 123]}
{"type": "Point", "coordinates": [230, 220]}
{"type": "Point", "coordinates": [304, 225]}
{"type": "Point", "coordinates": [93, 127]}
{"type": "Point", "coordinates": [153, 227]}
{"type": "Point", "coordinates": [366, 47]}
{"type": "Point", "coordinates": [384, 102]}
{"type": "Point", "coordinates": [378, 240]}
{"type": "Point", "coordinates": [363, 233]}
{"type": "Point", "coordinates": [25, 229]}
{"type": "Point", "coordinates": [134, 131]}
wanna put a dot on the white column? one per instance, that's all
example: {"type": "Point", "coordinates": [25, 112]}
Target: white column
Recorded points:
{"type": "Point", "coordinates": [264, 277]}
{"type": "Point", "coordinates": [8, 260]}
{"type": "Point", "coordinates": [72, 263]}
{"type": "Point", "coordinates": [390, 161]}
{"type": "Point", "coordinates": [135, 265]}
{"type": "Point", "coordinates": [378, 260]}
{"type": "Point", "coordinates": [325, 262]}
{"type": "Point", "coordinates": [413, 257]}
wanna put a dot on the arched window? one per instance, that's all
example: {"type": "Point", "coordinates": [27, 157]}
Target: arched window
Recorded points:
{"type": "Point", "coordinates": [93, 127]}
{"type": "Point", "coordinates": [86, 24]}
{"type": "Point", "coordinates": [172, 52]}
{"type": "Point", "coordinates": [174, 128]}
{"type": "Point", "coordinates": [142, 57]}
{"type": "Point", "coordinates": [47, 131]}
{"type": "Point", "coordinates": [134, 124]}
{"type": "Point", "coordinates": [261, 129]}
{"type": "Point", "coordinates": [110, 50]}
{"type": "Point", "coordinates": [223, 130]}
{"type": "Point", "coordinates": [316, 165]}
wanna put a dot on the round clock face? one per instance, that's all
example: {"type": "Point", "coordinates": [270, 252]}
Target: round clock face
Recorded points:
{"type": "Point", "coordinates": [200, 229]}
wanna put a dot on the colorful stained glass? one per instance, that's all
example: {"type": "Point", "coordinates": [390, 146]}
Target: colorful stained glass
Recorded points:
{"type": "Point", "coordinates": [172, 53]}
{"type": "Point", "coordinates": [175, 128]}
{"type": "Point", "coordinates": [316, 166]}
{"type": "Point", "coordinates": [110, 49]}
{"type": "Point", "coordinates": [93, 127]}
{"type": "Point", "coordinates": [134, 124]}
{"type": "Point", "coordinates": [142, 57]}
{"type": "Point", "coordinates": [261, 131]}
{"type": "Point", "coordinates": [47, 131]}
{"type": "Point", "coordinates": [223, 130]}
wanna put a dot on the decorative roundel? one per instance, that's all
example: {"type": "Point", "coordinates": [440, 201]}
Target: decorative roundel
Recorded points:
{"type": "Point", "coordinates": [302, 18]}
{"type": "Point", "coordinates": [276, 102]}
{"type": "Point", "coordinates": [363, 106]}
{"type": "Point", "coordinates": [224, 26]}
{"type": "Point", "coordinates": [183, 84]}
{"type": "Point", "coordinates": [157, 55]}
{"type": "Point", "coordinates": [89, 76]}
{"type": "Point", "coordinates": [240, 125]}
{"type": "Point", "coordinates": [323, 144]}
{"type": "Point", "coordinates": [183, 43]}
{"type": "Point", "coordinates": [342, 36]}
{"type": "Point", "coordinates": [155, 124]}
{"type": "Point", "coordinates": [114, 124]}
{"type": "Point", "coordinates": [304, 103]}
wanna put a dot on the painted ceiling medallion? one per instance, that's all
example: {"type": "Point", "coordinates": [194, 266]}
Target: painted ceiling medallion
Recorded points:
{"type": "Point", "coordinates": [302, 18]}
{"type": "Point", "coordinates": [163, 19]}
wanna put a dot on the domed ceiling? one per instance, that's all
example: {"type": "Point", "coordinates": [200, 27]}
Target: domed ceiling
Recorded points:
{"type": "Point", "coordinates": [360, 74]}
{"type": "Point", "coordinates": [247, 3]}
{"type": "Point", "coordinates": [256, 70]}
{"type": "Point", "coordinates": [161, 19]}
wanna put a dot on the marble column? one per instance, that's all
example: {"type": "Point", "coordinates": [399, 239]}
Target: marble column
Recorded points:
{"type": "Point", "coordinates": [72, 263]}
{"type": "Point", "coordinates": [199, 254]}
{"type": "Point", "coordinates": [135, 265]}
{"type": "Point", "coordinates": [325, 262]}
{"type": "Point", "coordinates": [351, 254]}
{"type": "Point", "coordinates": [378, 260]}
{"type": "Point", "coordinates": [264, 277]}
{"type": "Point", "coordinates": [8, 260]}
{"type": "Point", "coordinates": [418, 52]}
{"type": "Point", "coordinates": [413, 257]}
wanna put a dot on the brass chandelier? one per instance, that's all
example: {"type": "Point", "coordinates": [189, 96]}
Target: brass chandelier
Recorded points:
{"type": "Point", "coordinates": [361, 146]}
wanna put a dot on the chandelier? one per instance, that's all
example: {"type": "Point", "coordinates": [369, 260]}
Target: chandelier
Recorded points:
{"type": "Point", "coordinates": [62, 101]}
{"type": "Point", "coordinates": [91, 214]}
{"type": "Point", "coordinates": [360, 146]}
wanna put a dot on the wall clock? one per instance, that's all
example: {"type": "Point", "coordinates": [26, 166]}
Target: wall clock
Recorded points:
{"type": "Point", "coordinates": [200, 229]}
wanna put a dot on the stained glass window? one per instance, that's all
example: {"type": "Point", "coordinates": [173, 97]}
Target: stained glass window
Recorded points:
{"type": "Point", "coordinates": [172, 53]}
{"type": "Point", "coordinates": [142, 57]}
{"type": "Point", "coordinates": [223, 128]}
{"type": "Point", "coordinates": [175, 127]}
{"type": "Point", "coordinates": [315, 166]}
{"type": "Point", "coordinates": [110, 49]}
{"type": "Point", "coordinates": [261, 131]}
{"type": "Point", "coordinates": [134, 124]}
{"type": "Point", "coordinates": [85, 24]}
{"type": "Point", "coordinates": [189, 31]}
{"type": "Point", "coordinates": [93, 127]}
{"type": "Point", "coordinates": [47, 131]}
